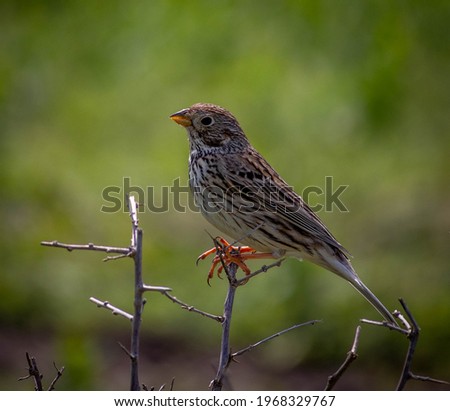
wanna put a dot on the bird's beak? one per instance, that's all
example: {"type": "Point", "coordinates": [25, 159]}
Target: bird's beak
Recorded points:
{"type": "Point", "coordinates": [181, 118]}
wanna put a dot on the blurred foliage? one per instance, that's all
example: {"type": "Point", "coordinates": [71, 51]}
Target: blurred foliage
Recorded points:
{"type": "Point", "coordinates": [354, 90]}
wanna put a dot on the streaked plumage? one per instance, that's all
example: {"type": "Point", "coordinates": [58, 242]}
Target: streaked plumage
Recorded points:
{"type": "Point", "coordinates": [244, 197]}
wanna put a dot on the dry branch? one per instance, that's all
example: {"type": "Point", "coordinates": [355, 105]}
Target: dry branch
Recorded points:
{"type": "Point", "coordinates": [271, 337]}
{"type": "Point", "coordinates": [410, 327]}
{"type": "Point", "coordinates": [135, 251]}
{"type": "Point", "coordinates": [108, 306]}
{"type": "Point", "coordinates": [351, 356]}
{"type": "Point", "coordinates": [33, 371]}
{"type": "Point", "coordinates": [126, 251]}
{"type": "Point", "coordinates": [191, 308]}
{"type": "Point", "coordinates": [225, 354]}
{"type": "Point", "coordinates": [138, 308]}
{"type": "Point", "coordinates": [263, 269]}
{"type": "Point", "coordinates": [412, 332]}
{"type": "Point", "coordinates": [59, 373]}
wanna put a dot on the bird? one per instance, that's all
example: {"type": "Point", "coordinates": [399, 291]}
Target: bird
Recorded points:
{"type": "Point", "coordinates": [240, 194]}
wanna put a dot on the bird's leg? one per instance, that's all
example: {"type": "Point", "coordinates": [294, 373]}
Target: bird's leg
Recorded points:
{"type": "Point", "coordinates": [231, 254]}
{"type": "Point", "coordinates": [228, 254]}
{"type": "Point", "coordinates": [222, 246]}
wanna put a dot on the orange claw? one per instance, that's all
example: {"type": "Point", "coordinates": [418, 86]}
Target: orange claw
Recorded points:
{"type": "Point", "coordinates": [230, 254]}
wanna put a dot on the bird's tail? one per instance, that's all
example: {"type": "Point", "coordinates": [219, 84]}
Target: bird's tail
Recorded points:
{"type": "Point", "coordinates": [340, 265]}
{"type": "Point", "coordinates": [361, 287]}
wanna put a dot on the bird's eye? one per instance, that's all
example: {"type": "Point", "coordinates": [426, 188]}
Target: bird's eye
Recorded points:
{"type": "Point", "coordinates": [206, 121]}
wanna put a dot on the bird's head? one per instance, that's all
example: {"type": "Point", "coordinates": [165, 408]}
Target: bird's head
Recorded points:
{"type": "Point", "coordinates": [211, 126]}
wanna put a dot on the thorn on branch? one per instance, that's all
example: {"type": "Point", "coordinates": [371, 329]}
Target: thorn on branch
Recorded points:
{"type": "Point", "coordinates": [117, 257]}
{"type": "Point", "coordinates": [125, 349]}
{"type": "Point", "coordinates": [428, 379]}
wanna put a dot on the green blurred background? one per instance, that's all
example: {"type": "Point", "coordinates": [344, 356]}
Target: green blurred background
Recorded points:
{"type": "Point", "coordinates": [354, 90]}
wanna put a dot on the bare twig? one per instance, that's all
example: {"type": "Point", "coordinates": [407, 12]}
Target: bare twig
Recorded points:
{"type": "Point", "coordinates": [263, 269]}
{"type": "Point", "coordinates": [233, 283]}
{"type": "Point", "coordinates": [108, 306]}
{"type": "Point", "coordinates": [135, 251]}
{"type": "Point", "coordinates": [118, 257]}
{"type": "Point", "coordinates": [387, 325]}
{"type": "Point", "coordinates": [138, 307]}
{"type": "Point", "coordinates": [271, 337]}
{"type": "Point", "coordinates": [126, 251]}
{"type": "Point", "coordinates": [172, 383]}
{"type": "Point", "coordinates": [33, 371]}
{"type": "Point", "coordinates": [225, 352]}
{"type": "Point", "coordinates": [413, 337]}
{"type": "Point", "coordinates": [124, 349]}
{"type": "Point", "coordinates": [156, 288]}
{"type": "Point", "coordinates": [59, 373]}
{"type": "Point", "coordinates": [191, 308]}
{"type": "Point", "coordinates": [351, 356]}
{"type": "Point", "coordinates": [427, 379]}
{"type": "Point", "coordinates": [412, 331]}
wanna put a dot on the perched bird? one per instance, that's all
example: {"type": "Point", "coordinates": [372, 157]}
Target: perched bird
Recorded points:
{"type": "Point", "coordinates": [244, 197]}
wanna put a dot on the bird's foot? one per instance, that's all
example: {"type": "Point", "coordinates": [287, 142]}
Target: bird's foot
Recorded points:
{"type": "Point", "coordinates": [226, 254]}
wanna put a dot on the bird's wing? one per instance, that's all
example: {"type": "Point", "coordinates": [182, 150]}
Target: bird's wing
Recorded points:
{"type": "Point", "coordinates": [267, 189]}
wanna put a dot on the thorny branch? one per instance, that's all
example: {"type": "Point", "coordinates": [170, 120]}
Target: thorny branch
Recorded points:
{"type": "Point", "coordinates": [135, 251]}
{"type": "Point", "coordinates": [271, 337]}
{"type": "Point", "coordinates": [413, 337]}
{"type": "Point", "coordinates": [191, 308]}
{"type": "Point", "coordinates": [59, 373]}
{"type": "Point", "coordinates": [125, 252]}
{"type": "Point", "coordinates": [138, 308]}
{"type": "Point", "coordinates": [412, 331]}
{"type": "Point", "coordinates": [225, 353]}
{"type": "Point", "coordinates": [33, 371]}
{"type": "Point", "coordinates": [226, 356]}
{"type": "Point", "coordinates": [351, 356]}
{"type": "Point", "coordinates": [108, 306]}
{"type": "Point", "coordinates": [263, 269]}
